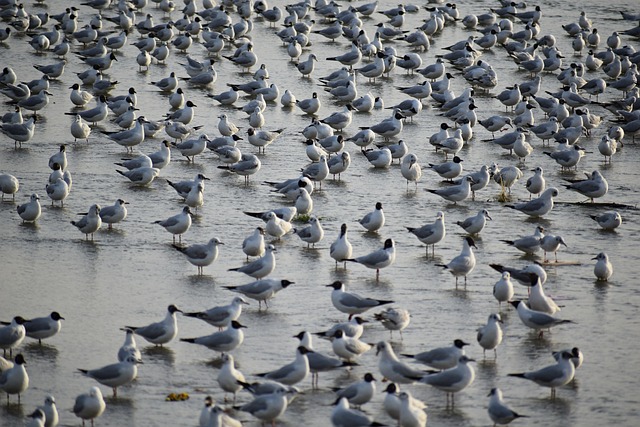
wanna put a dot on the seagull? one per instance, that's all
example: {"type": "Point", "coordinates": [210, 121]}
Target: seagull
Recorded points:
{"type": "Point", "coordinates": [463, 264]}
{"type": "Point", "coordinates": [392, 369]}
{"type": "Point", "coordinates": [201, 255]}
{"type": "Point", "coordinates": [41, 328]}
{"type": "Point", "coordinates": [291, 373]}
{"type": "Point", "coordinates": [490, 335]}
{"type": "Point", "coordinates": [430, 234]}
{"type": "Point", "coordinates": [452, 380]}
{"type": "Point", "coordinates": [374, 220]}
{"type": "Point", "coordinates": [261, 267]}
{"type": "Point", "coordinates": [114, 214]}
{"type": "Point", "coordinates": [19, 132]}
{"type": "Point", "coordinates": [576, 356]}
{"type": "Point", "coordinates": [177, 224]}
{"type": "Point", "coordinates": [503, 289]}
{"type": "Point", "coordinates": [359, 392]}
{"type": "Point", "coordinates": [12, 334]}
{"type": "Point", "coordinates": [311, 234]}
{"type": "Point", "coordinates": [261, 290]}
{"type": "Point", "coordinates": [223, 341]}
{"type": "Point", "coordinates": [378, 259]}
{"type": "Point", "coordinates": [15, 380]}
{"type": "Point", "coordinates": [394, 319]}
{"type": "Point", "coordinates": [594, 187]}
{"type": "Point", "coordinates": [528, 244]}
{"type": "Point", "coordinates": [441, 357]}
{"type": "Point", "coordinates": [140, 176]}
{"type": "Point", "coordinates": [551, 243]}
{"type": "Point", "coordinates": [499, 412]}
{"type": "Point", "coordinates": [552, 376]}
{"type": "Point", "coordinates": [221, 316]}
{"type": "Point", "coordinates": [30, 211]}
{"type": "Point", "coordinates": [162, 332]}
{"type": "Point", "coordinates": [351, 303]}
{"type": "Point", "coordinates": [267, 407]}
{"type": "Point", "coordinates": [475, 224]}
{"type": "Point", "coordinates": [249, 164]}
{"type": "Point", "coordinates": [536, 319]}
{"type": "Point", "coordinates": [50, 412]}
{"type": "Point", "coordinates": [229, 378]}
{"type": "Point", "coordinates": [184, 187]}
{"type": "Point", "coordinates": [318, 362]}
{"type": "Point", "coordinates": [608, 220]}
{"type": "Point", "coordinates": [353, 328]}
{"type": "Point", "coordinates": [455, 193]}
{"type": "Point", "coordinates": [129, 348]}
{"type": "Point", "coordinates": [523, 276]}
{"type": "Point", "coordinates": [538, 207]}
{"type": "Point", "coordinates": [253, 245]}
{"type": "Point", "coordinates": [603, 269]}
{"type": "Point", "coordinates": [89, 406]}
{"type": "Point", "coordinates": [192, 147]}
{"type": "Point", "coordinates": [116, 374]}
{"type": "Point", "coordinates": [348, 348]}
{"type": "Point", "coordinates": [90, 222]}
{"type": "Point", "coordinates": [343, 416]}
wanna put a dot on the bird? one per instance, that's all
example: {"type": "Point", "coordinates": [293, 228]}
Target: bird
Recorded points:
{"type": "Point", "coordinates": [537, 207]}
{"type": "Point", "coordinates": [374, 220]}
{"type": "Point", "coordinates": [412, 412]}
{"type": "Point", "coordinates": [608, 220]}
{"type": "Point", "coordinates": [499, 412]}
{"type": "Point", "coordinates": [348, 348]}
{"type": "Point", "coordinates": [116, 374]}
{"type": "Point", "coordinates": [12, 334]}
{"type": "Point", "coordinates": [430, 234]}
{"type": "Point", "coordinates": [114, 214]}
{"type": "Point", "coordinates": [528, 244]}
{"type": "Point", "coordinates": [177, 224]}
{"type": "Point", "coordinates": [378, 259]}
{"type": "Point", "coordinates": [552, 376]}
{"type": "Point", "coordinates": [9, 184]}
{"type": "Point", "coordinates": [30, 211]}
{"type": "Point", "coordinates": [354, 328]}
{"type": "Point", "coordinates": [319, 362]}
{"type": "Point", "coordinates": [90, 222]}
{"type": "Point", "coordinates": [184, 187]}
{"type": "Point", "coordinates": [142, 176]}
{"type": "Point", "coordinates": [291, 373]}
{"type": "Point", "coordinates": [394, 319]}
{"type": "Point", "coordinates": [229, 377]}
{"type": "Point", "coordinates": [311, 234]}
{"type": "Point", "coordinates": [160, 333]}
{"type": "Point", "coordinates": [351, 303]}
{"type": "Point", "coordinates": [267, 407]}
{"type": "Point", "coordinates": [455, 193]}
{"type": "Point", "coordinates": [15, 380]}
{"type": "Point", "coordinates": [503, 289]}
{"type": "Point", "coordinates": [201, 255]}
{"type": "Point", "coordinates": [221, 316]}
{"type": "Point", "coordinates": [40, 328]}
{"type": "Point", "coordinates": [358, 393]}
{"type": "Point", "coordinates": [475, 224]}
{"type": "Point", "coordinates": [551, 243]}
{"type": "Point", "coordinates": [594, 187]}
{"type": "Point", "coordinates": [442, 357]}
{"type": "Point", "coordinates": [253, 245]}
{"type": "Point", "coordinates": [603, 269]}
{"type": "Point", "coordinates": [452, 380]}
{"type": "Point", "coordinates": [490, 335]}
{"type": "Point", "coordinates": [223, 341]}
{"type": "Point", "coordinates": [129, 348]}
{"type": "Point", "coordinates": [463, 264]}
{"type": "Point", "coordinates": [261, 290]}
{"type": "Point", "coordinates": [89, 406]}
{"type": "Point", "coordinates": [536, 320]}
{"type": "Point", "coordinates": [261, 267]}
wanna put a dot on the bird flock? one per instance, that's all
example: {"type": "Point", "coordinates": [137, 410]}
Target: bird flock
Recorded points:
{"type": "Point", "coordinates": [206, 67]}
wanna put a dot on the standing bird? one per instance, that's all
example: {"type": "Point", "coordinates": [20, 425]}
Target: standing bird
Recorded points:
{"type": "Point", "coordinates": [201, 255]}
{"type": "Point", "coordinates": [430, 234]}
{"type": "Point", "coordinates": [160, 333]}
{"type": "Point", "coordinates": [499, 412]}
{"type": "Point", "coordinates": [41, 328]}
{"type": "Point", "coordinates": [378, 259]}
{"type": "Point", "coordinates": [374, 220]}
{"type": "Point", "coordinates": [452, 380]}
{"type": "Point", "coordinates": [603, 269]}
{"type": "Point", "coordinates": [463, 264]}
{"type": "Point", "coordinates": [90, 222]}
{"type": "Point", "coordinates": [261, 267]}
{"type": "Point", "coordinates": [30, 211]}
{"type": "Point", "coordinates": [116, 374]}
{"type": "Point", "coordinates": [15, 380]}
{"type": "Point", "coordinates": [341, 249]}
{"type": "Point", "coordinates": [89, 406]}
{"type": "Point", "coordinates": [351, 303]}
{"type": "Point", "coordinates": [552, 376]}
{"type": "Point", "coordinates": [490, 335]}
{"type": "Point", "coordinates": [114, 214]}
{"type": "Point", "coordinates": [177, 224]}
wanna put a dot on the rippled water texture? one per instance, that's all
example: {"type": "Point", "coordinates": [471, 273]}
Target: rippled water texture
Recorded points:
{"type": "Point", "coordinates": [131, 274]}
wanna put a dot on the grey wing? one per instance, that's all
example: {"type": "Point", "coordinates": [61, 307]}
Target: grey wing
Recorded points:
{"type": "Point", "coordinates": [352, 418]}
{"type": "Point", "coordinates": [546, 374]}
{"type": "Point", "coordinates": [466, 223]}
{"type": "Point", "coordinates": [373, 258]}
{"type": "Point", "coordinates": [500, 411]}
{"type": "Point", "coordinates": [80, 403]}
{"type": "Point", "coordinates": [196, 252]}
{"type": "Point", "coordinates": [82, 222]}
{"type": "Point", "coordinates": [254, 288]}
{"type": "Point", "coordinates": [258, 404]}
{"type": "Point", "coordinates": [107, 212]}
{"type": "Point", "coordinates": [444, 378]}
{"type": "Point", "coordinates": [532, 205]}
{"type": "Point", "coordinates": [424, 232]}
{"type": "Point", "coordinates": [586, 186]}
{"type": "Point", "coordinates": [214, 340]}
{"type": "Point", "coordinates": [351, 300]}
{"type": "Point", "coordinates": [216, 314]}
{"type": "Point", "coordinates": [407, 371]}
{"type": "Point", "coordinates": [135, 175]}
{"type": "Point", "coordinates": [152, 331]}
{"type": "Point", "coordinates": [321, 362]}
{"type": "Point", "coordinates": [305, 232]}
{"type": "Point", "coordinates": [37, 325]}
{"type": "Point", "coordinates": [22, 208]}
{"type": "Point", "coordinates": [250, 269]}
{"type": "Point", "coordinates": [169, 222]}
{"type": "Point", "coordinates": [349, 392]}
{"type": "Point", "coordinates": [283, 372]}
{"type": "Point", "coordinates": [105, 373]}
{"type": "Point", "coordinates": [541, 319]}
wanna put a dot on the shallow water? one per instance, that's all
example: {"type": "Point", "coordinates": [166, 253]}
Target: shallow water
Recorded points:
{"type": "Point", "coordinates": [129, 275]}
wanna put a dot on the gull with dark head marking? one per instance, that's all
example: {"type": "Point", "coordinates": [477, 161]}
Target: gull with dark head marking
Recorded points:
{"type": "Point", "coordinates": [359, 392]}
{"type": "Point", "coordinates": [528, 244]}
{"type": "Point", "coordinates": [291, 373]}
{"type": "Point", "coordinates": [536, 320]}
{"type": "Point", "coordinates": [351, 303]}
{"type": "Point", "coordinates": [177, 224]}
{"type": "Point", "coordinates": [184, 187]}
{"type": "Point", "coordinates": [319, 362]}
{"type": "Point", "coordinates": [537, 207]}
{"type": "Point", "coordinates": [374, 220]}
{"type": "Point", "coordinates": [267, 407]}
{"type": "Point", "coordinates": [353, 328]}
{"type": "Point", "coordinates": [15, 380]}
{"type": "Point", "coordinates": [378, 259]}
{"type": "Point", "coordinates": [261, 290]}
{"type": "Point", "coordinates": [114, 214]}
{"type": "Point", "coordinates": [162, 332]}
{"type": "Point", "coordinates": [463, 264]}
{"type": "Point", "coordinates": [490, 335]}
{"type": "Point", "coordinates": [222, 341]}
{"type": "Point", "coordinates": [441, 357]}
{"type": "Point", "coordinates": [41, 328]}
{"type": "Point", "coordinates": [475, 224]}
{"type": "Point", "coordinates": [221, 316]}
{"type": "Point", "coordinates": [455, 193]}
